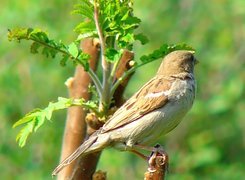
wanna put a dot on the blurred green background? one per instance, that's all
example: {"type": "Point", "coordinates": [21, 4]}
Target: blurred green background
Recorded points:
{"type": "Point", "coordinates": [210, 141]}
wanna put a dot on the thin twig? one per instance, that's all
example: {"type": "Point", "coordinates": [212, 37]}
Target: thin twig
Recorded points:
{"type": "Point", "coordinates": [120, 80]}
{"type": "Point", "coordinates": [114, 68]}
{"type": "Point", "coordinates": [100, 34]}
{"type": "Point", "coordinates": [96, 81]}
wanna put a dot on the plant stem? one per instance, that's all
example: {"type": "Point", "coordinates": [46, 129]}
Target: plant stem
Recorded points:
{"type": "Point", "coordinates": [96, 81]}
{"type": "Point", "coordinates": [51, 47]}
{"type": "Point", "coordinates": [114, 68]}
{"type": "Point", "coordinates": [120, 80]}
{"type": "Point", "coordinates": [105, 98]}
{"type": "Point", "coordinates": [82, 102]}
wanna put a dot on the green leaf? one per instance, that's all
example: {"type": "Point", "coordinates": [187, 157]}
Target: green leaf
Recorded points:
{"type": "Point", "coordinates": [91, 105]}
{"type": "Point", "coordinates": [24, 133]}
{"type": "Point", "coordinates": [131, 22]}
{"type": "Point", "coordinates": [85, 8]}
{"type": "Point", "coordinates": [64, 59]}
{"type": "Point", "coordinates": [112, 54]}
{"type": "Point", "coordinates": [34, 47]}
{"type": "Point", "coordinates": [83, 60]}
{"type": "Point", "coordinates": [38, 34]}
{"type": "Point", "coordinates": [19, 33]}
{"type": "Point", "coordinates": [85, 27]}
{"type": "Point", "coordinates": [86, 35]}
{"type": "Point", "coordinates": [73, 50]}
{"type": "Point", "coordinates": [49, 47]}
{"type": "Point", "coordinates": [142, 38]}
{"type": "Point", "coordinates": [163, 51]}
{"type": "Point", "coordinates": [128, 38]}
{"type": "Point", "coordinates": [38, 122]}
{"type": "Point", "coordinates": [32, 121]}
{"type": "Point", "coordinates": [40, 40]}
{"type": "Point", "coordinates": [26, 118]}
{"type": "Point", "coordinates": [117, 21]}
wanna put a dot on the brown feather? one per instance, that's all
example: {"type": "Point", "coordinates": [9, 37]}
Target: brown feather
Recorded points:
{"type": "Point", "coordinates": [139, 104]}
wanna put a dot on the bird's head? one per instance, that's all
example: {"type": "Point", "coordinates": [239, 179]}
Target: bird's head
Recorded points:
{"type": "Point", "coordinates": [177, 62]}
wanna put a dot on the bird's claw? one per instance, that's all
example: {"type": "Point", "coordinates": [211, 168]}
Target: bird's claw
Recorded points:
{"type": "Point", "coordinates": [158, 159]}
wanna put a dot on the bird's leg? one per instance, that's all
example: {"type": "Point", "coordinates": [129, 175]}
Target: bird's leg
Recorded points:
{"type": "Point", "coordinates": [139, 154]}
{"type": "Point", "coordinates": [156, 148]}
{"type": "Point", "coordinates": [132, 149]}
{"type": "Point", "coordinates": [156, 160]}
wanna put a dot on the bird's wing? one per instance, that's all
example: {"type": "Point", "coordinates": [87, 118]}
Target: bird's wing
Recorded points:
{"type": "Point", "coordinates": [150, 97]}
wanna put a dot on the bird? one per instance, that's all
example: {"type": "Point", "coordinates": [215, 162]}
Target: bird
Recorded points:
{"type": "Point", "coordinates": [153, 111]}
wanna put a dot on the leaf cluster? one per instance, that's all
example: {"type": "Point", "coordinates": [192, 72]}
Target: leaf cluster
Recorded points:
{"type": "Point", "coordinates": [86, 28]}
{"type": "Point", "coordinates": [35, 119]}
{"type": "Point", "coordinates": [118, 21]}
{"type": "Point", "coordinates": [41, 43]}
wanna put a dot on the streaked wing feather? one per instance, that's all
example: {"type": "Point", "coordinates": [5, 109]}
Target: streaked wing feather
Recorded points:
{"type": "Point", "coordinates": [139, 104]}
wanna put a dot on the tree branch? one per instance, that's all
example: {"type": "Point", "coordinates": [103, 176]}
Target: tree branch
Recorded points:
{"type": "Point", "coordinates": [158, 165]}
{"type": "Point", "coordinates": [124, 66]}
{"type": "Point", "coordinates": [75, 130]}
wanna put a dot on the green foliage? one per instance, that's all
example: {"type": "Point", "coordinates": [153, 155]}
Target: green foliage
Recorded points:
{"type": "Point", "coordinates": [32, 121]}
{"type": "Point", "coordinates": [118, 22]}
{"type": "Point", "coordinates": [49, 47]}
{"type": "Point", "coordinates": [115, 18]}
{"type": "Point", "coordinates": [87, 27]}
{"type": "Point", "coordinates": [142, 38]}
{"type": "Point", "coordinates": [86, 9]}
{"type": "Point", "coordinates": [113, 55]}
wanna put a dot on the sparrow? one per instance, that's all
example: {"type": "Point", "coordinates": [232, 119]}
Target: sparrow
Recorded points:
{"type": "Point", "coordinates": [153, 111]}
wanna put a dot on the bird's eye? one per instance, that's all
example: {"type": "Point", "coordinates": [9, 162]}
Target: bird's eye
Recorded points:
{"type": "Point", "coordinates": [192, 58]}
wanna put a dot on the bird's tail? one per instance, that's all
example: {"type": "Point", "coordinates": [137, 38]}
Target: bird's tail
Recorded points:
{"type": "Point", "coordinates": [81, 150]}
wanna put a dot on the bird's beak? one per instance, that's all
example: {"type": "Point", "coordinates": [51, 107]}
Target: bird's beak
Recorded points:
{"type": "Point", "coordinates": [195, 61]}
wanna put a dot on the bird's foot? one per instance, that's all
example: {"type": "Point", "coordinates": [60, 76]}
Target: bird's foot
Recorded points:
{"type": "Point", "coordinates": [158, 160]}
